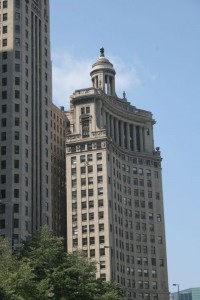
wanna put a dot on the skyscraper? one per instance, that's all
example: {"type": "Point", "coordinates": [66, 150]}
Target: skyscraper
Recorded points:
{"type": "Point", "coordinates": [114, 188]}
{"type": "Point", "coordinates": [25, 104]}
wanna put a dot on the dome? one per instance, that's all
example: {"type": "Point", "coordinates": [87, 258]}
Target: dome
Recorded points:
{"type": "Point", "coordinates": [102, 64]}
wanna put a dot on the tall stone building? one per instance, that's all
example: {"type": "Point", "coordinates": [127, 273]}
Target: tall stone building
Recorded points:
{"type": "Point", "coordinates": [114, 188]}
{"type": "Point", "coordinates": [25, 105]}
{"type": "Point", "coordinates": [58, 170]}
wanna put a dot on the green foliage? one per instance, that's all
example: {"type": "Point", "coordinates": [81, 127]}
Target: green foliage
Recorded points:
{"type": "Point", "coordinates": [41, 270]}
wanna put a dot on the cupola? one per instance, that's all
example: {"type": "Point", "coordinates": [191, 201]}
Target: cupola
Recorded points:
{"type": "Point", "coordinates": [103, 75]}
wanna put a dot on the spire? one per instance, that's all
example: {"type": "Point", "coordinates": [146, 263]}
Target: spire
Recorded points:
{"type": "Point", "coordinates": [102, 52]}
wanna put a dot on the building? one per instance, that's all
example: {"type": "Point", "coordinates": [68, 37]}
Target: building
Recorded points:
{"type": "Point", "coordinates": [114, 188]}
{"type": "Point", "coordinates": [25, 106]}
{"type": "Point", "coordinates": [189, 294]}
{"type": "Point", "coordinates": [58, 170]}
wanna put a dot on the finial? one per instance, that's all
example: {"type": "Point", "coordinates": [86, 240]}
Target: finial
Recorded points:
{"type": "Point", "coordinates": [102, 52]}
{"type": "Point", "coordinates": [124, 95]}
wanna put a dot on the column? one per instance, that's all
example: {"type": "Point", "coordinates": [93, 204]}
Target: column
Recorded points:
{"type": "Point", "coordinates": [113, 128]}
{"type": "Point", "coordinates": [141, 140]}
{"type": "Point", "coordinates": [134, 138]}
{"type": "Point", "coordinates": [128, 136]}
{"type": "Point", "coordinates": [143, 136]}
{"type": "Point", "coordinates": [108, 124]}
{"type": "Point", "coordinates": [122, 134]}
{"type": "Point", "coordinates": [117, 131]}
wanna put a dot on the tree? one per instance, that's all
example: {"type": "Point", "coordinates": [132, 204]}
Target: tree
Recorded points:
{"type": "Point", "coordinates": [40, 269]}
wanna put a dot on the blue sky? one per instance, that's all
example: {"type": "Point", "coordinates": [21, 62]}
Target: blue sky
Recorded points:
{"type": "Point", "coordinates": [155, 48]}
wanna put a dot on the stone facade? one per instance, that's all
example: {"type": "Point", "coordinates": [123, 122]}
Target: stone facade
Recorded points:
{"type": "Point", "coordinates": [114, 188]}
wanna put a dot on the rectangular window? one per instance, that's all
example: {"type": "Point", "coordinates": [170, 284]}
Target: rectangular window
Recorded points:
{"type": "Point", "coordinates": [5, 17]}
{"type": "Point", "coordinates": [5, 29]}
{"type": "Point", "coordinates": [4, 95]}
{"type": "Point", "coordinates": [5, 4]}
{"type": "Point", "coordinates": [16, 193]}
{"type": "Point", "coordinates": [17, 67]}
{"type": "Point", "coordinates": [85, 128]}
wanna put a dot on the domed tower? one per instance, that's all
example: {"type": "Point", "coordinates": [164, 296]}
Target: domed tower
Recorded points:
{"type": "Point", "coordinates": [103, 75]}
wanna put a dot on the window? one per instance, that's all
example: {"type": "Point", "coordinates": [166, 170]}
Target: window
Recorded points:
{"type": "Point", "coordinates": [84, 241]}
{"type": "Point", "coordinates": [16, 193]}
{"type": "Point", "coordinates": [2, 224]}
{"type": "Point", "coordinates": [85, 128]}
{"type": "Point", "coordinates": [161, 262]}
{"type": "Point", "coordinates": [3, 150]}
{"type": "Point", "coordinates": [102, 251]}
{"type": "Point", "coordinates": [2, 208]}
{"type": "Point", "coordinates": [134, 170]}
{"type": "Point", "coordinates": [16, 119]}
{"type": "Point", "coordinates": [3, 136]}
{"type": "Point", "coordinates": [17, 3]}
{"type": "Point", "coordinates": [157, 196]}
{"type": "Point", "coordinates": [87, 109]}
{"type": "Point", "coordinates": [99, 179]}
{"type": "Point", "coordinates": [156, 174]}
{"type": "Point", "coordinates": [5, 4]}
{"type": "Point", "coordinates": [159, 239]}
{"type": "Point", "coordinates": [101, 239]}
{"type": "Point", "coordinates": [4, 95]}
{"type": "Point", "coordinates": [84, 229]}
{"type": "Point", "coordinates": [100, 191]}
{"type": "Point", "coordinates": [17, 29]}
{"type": "Point", "coordinates": [99, 168]}
{"type": "Point", "coordinates": [84, 217]}
{"type": "Point", "coordinates": [158, 217]}
{"type": "Point", "coordinates": [102, 264]}
{"type": "Point", "coordinates": [100, 202]}
{"type": "Point", "coordinates": [16, 135]}
{"type": "Point", "coordinates": [5, 17]}
{"type": "Point", "coordinates": [17, 80]}
{"type": "Point", "coordinates": [17, 67]}
{"type": "Point", "coordinates": [92, 252]}
{"type": "Point", "coordinates": [89, 157]}
{"type": "Point", "coordinates": [4, 81]}
{"type": "Point", "coordinates": [140, 171]}
{"type": "Point", "coordinates": [3, 180]}
{"type": "Point", "coordinates": [83, 193]}
{"type": "Point", "coordinates": [91, 216]}
{"type": "Point", "coordinates": [90, 192]}
{"type": "Point", "coordinates": [99, 156]}
{"type": "Point", "coordinates": [92, 240]}
{"type": "Point", "coordinates": [17, 42]}
{"type": "Point", "coordinates": [5, 29]}
{"type": "Point", "coordinates": [101, 214]}
{"type": "Point", "coordinates": [4, 68]}
{"type": "Point", "coordinates": [17, 94]}
{"type": "Point", "coordinates": [91, 203]}
{"type": "Point", "coordinates": [17, 54]}
{"type": "Point", "coordinates": [82, 158]}
{"type": "Point", "coordinates": [5, 55]}
{"type": "Point", "coordinates": [3, 164]}
{"type": "Point", "coordinates": [90, 169]}
{"type": "Point", "coordinates": [91, 228]}
{"type": "Point", "coordinates": [16, 178]}
{"type": "Point", "coordinates": [3, 122]}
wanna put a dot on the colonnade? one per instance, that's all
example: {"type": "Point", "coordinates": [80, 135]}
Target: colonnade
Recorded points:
{"type": "Point", "coordinates": [127, 135]}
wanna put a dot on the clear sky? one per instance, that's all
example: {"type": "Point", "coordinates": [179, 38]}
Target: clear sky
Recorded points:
{"type": "Point", "coordinates": [155, 48]}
